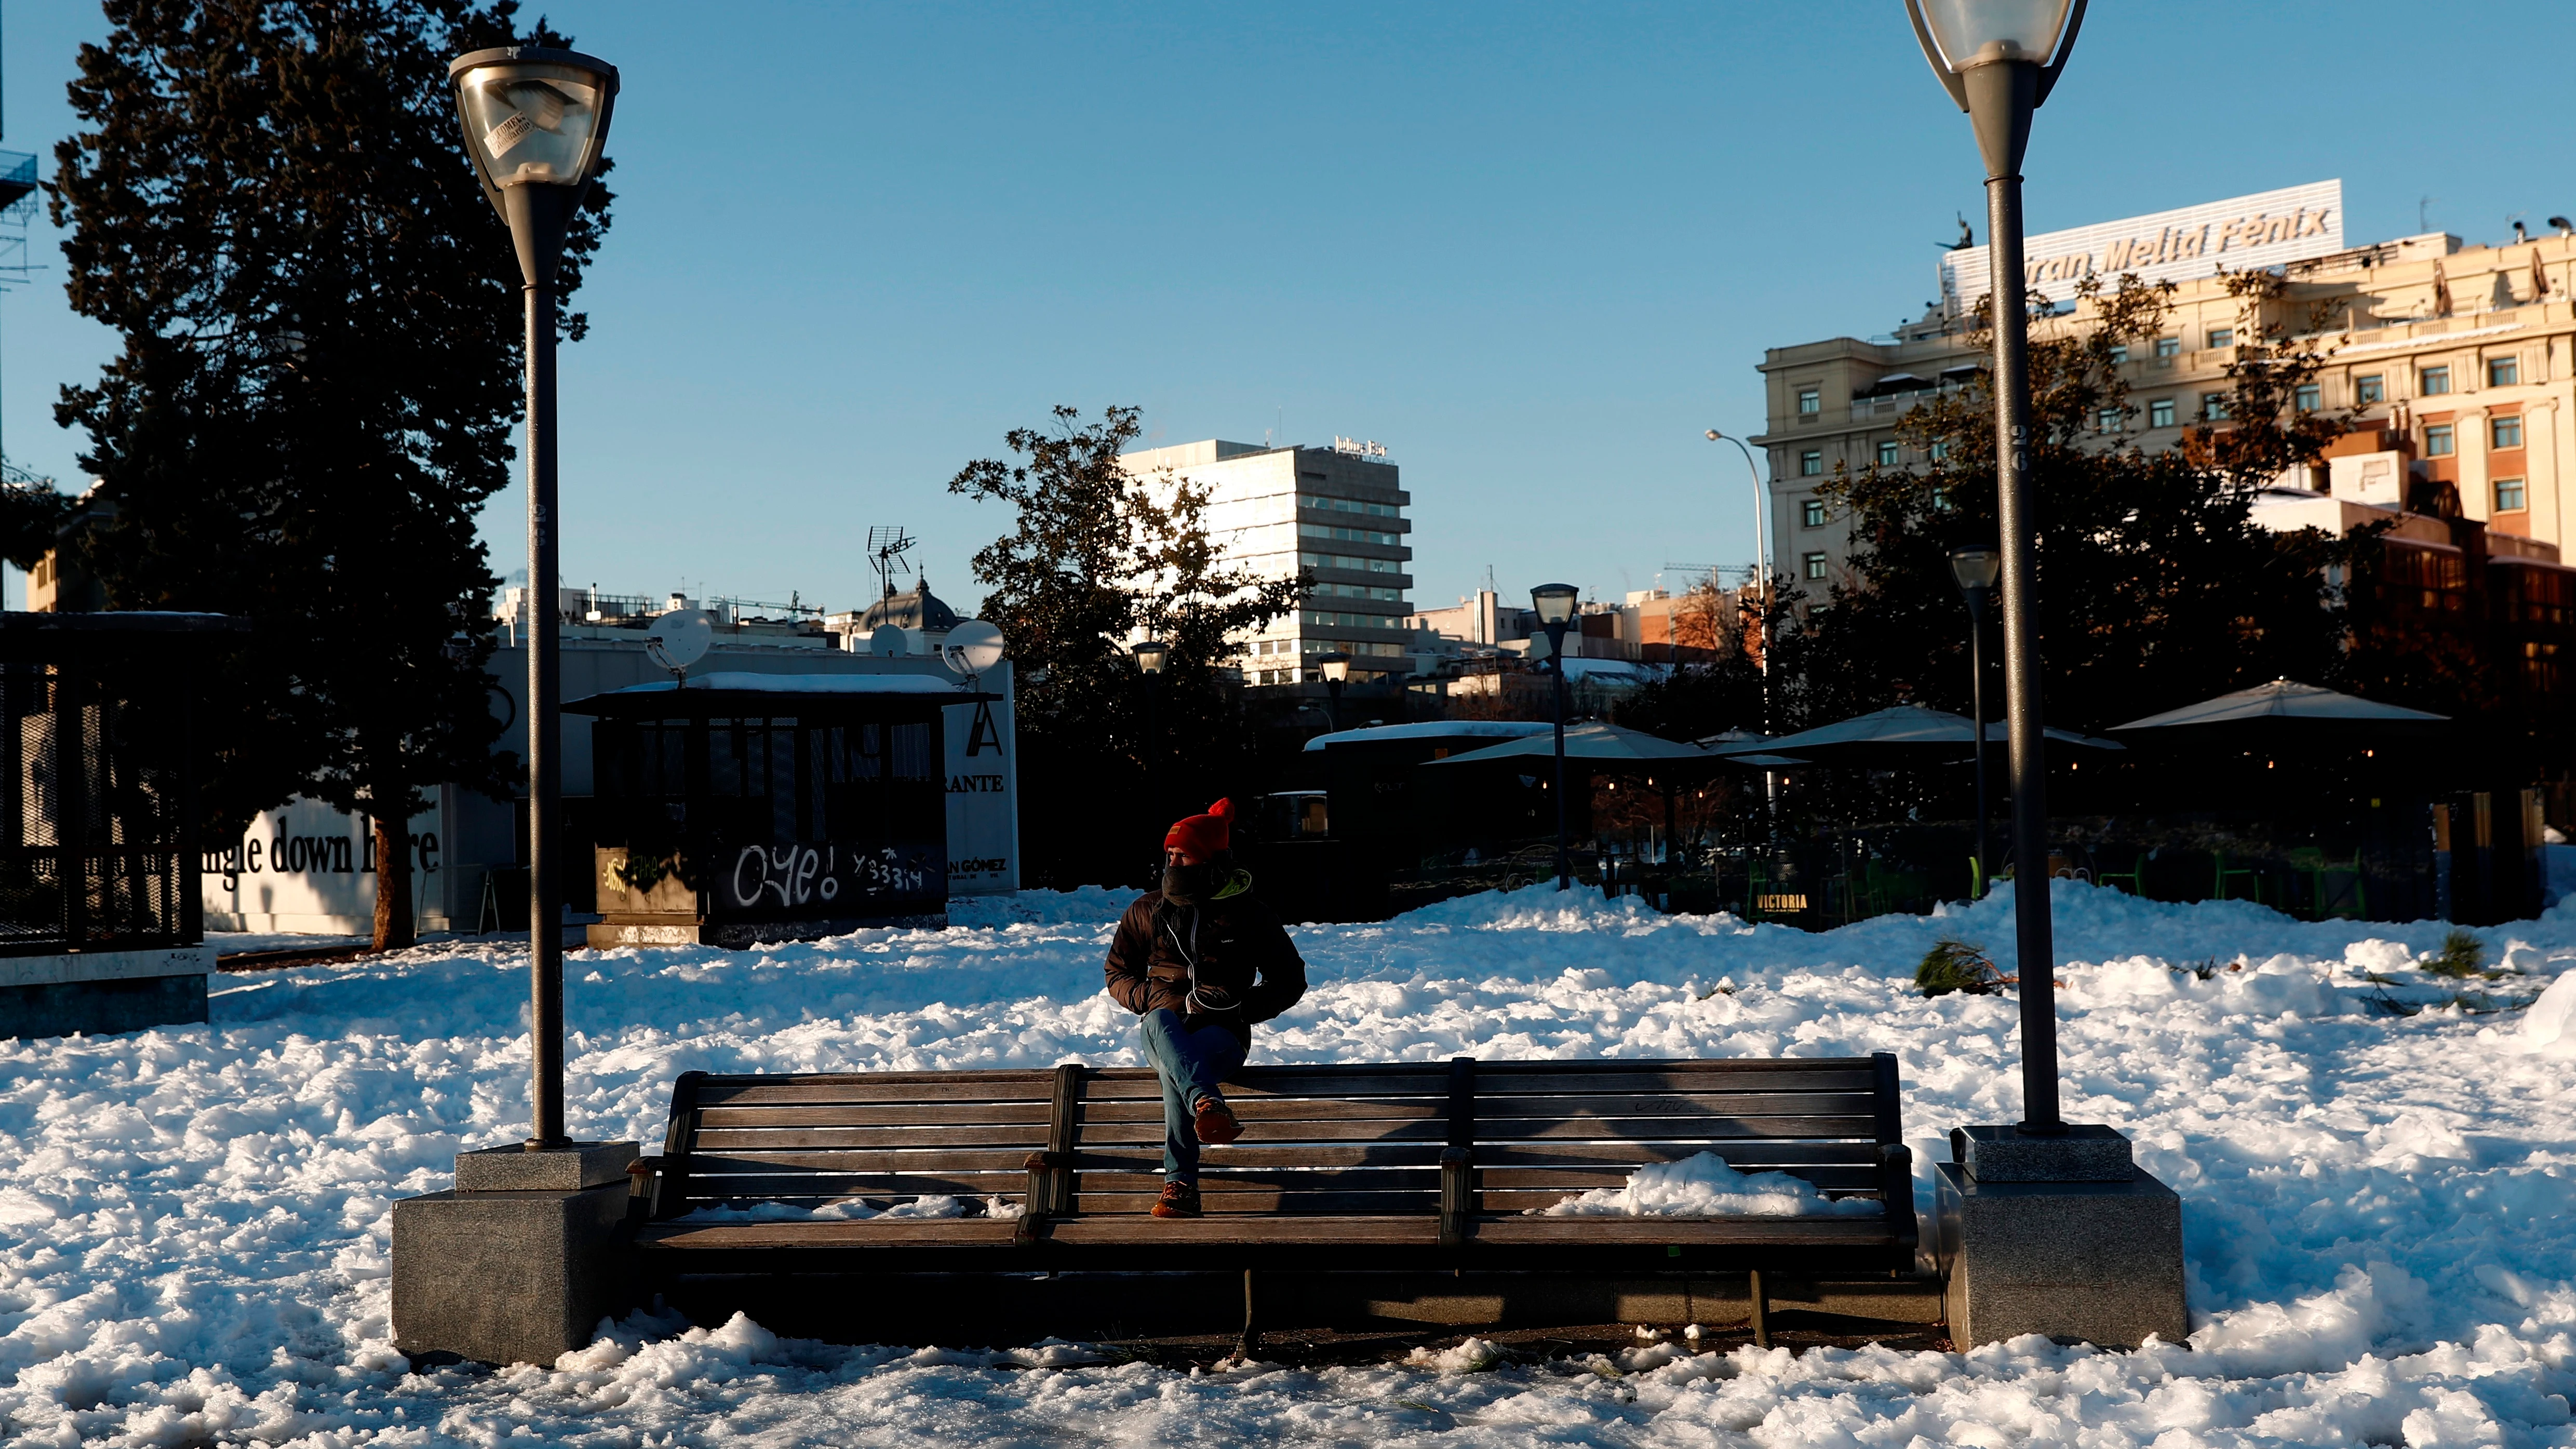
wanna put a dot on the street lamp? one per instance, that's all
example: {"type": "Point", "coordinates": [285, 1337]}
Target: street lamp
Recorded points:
{"type": "Point", "coordinates": [535, 120]}
{"type": "Point", "coordinates": [1151, 656]}
{"type": "Point", "coordinates": [1554, 604]}
{"type": "Point", "coordinates": [1975, 570]}
{"type": "Point", "coordinates": [1762, 563]}
{"type": "Point", "coordinates": [1336, 667]}
{"type": "Point", "coordinates": [1999, 59]}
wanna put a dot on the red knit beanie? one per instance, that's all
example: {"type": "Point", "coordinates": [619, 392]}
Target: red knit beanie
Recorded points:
{"type": "Point", "coordinates": [1204, 836]}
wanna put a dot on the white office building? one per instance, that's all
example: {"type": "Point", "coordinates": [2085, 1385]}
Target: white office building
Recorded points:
{"type": "Point", "coordinates": [1338, 513]}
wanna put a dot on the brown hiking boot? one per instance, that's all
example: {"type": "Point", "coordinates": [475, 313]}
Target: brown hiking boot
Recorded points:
{"type": "Point", "coordinates": [1216, 1125]}
{"type": "Point", "coordinates": [1179, 1200]}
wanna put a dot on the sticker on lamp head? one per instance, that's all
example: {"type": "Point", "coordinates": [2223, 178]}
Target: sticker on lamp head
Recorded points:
{"type": "Point", "coordinates": [512, 130]}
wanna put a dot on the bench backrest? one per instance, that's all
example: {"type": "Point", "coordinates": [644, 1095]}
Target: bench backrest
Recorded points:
{"type": "Point", "coordinates": [1333, 1139]}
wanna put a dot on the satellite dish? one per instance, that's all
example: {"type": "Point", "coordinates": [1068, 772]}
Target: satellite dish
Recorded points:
{"type": "Point", "coordinates": [886, 642]}
{"type": "Point", "coordinates": [971, 648]}
{"type": "Point", "coordinates": [679, 639]}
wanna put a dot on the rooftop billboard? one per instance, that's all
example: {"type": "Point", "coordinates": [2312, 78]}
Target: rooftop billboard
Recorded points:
{"type": "Point", "coordinates": [2239, 234]}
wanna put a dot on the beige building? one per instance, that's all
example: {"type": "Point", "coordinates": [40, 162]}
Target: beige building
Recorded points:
{"type": "Point", "coordinates": [1337, 512]}
{"type": "Point", "coordinates": [2459, 361]}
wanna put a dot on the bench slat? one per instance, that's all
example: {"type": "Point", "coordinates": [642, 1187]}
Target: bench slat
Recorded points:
{"type": "Point", "coordinates": [1504, 1079]}
{"type": "Point", "coordinates": [1682, 1104]}
{"type": "Point", "coordinates": [811, 1187]}
{"type": "Point", "coordinates": [1270, 1200]}
{"type": "Point", "coordinates": [872, 1232]}
{"type": "Point", "coordinates": [1258, 1129]}
{"type": "Point", "coordinates": [1564, 1154]}
{"type": "Point", "coordinates": [1367, 1154]}
{"type": "Point", "coordinates": [1232, 1228]}
{"type": "Point", "coordinates": [853, 1114]}
{"type": "Point", "coordinates": [1280, 1109]}
{"type": "Point", "coordinates": [1672, 1129]}
{"type": "Point", "coordinates": [730, 1138]}
{"type": "Point", "coordinates": [894, 1087]}
{"type": "Point", "coordinates": [1575, 1179]}
{"type": "Point", "coordinates": [1211, 1181]}
{"type": "Point", "coordinates": [954, 1159]}
{"type": "Point", "coordinates": [1112, 1087]}
{"type": "Point", "coordinates": [1602, 1232]}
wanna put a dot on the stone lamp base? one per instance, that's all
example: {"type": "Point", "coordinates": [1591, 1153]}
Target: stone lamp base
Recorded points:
{"type": "Point", "coordinates": [520, 1261]}
{"type": "Point", "coordinates": [2063, 1236]}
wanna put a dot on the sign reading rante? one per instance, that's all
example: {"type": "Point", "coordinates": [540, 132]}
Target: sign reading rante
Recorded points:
{"type": "Point", "coordinates": [2240, 234]}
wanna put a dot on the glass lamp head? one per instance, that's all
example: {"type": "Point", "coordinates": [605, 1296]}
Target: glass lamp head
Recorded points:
{"type": "Point", "coordinates": [1554, 602]}
{"type": "Point", "coordinates": [1975, 568]}
{"type": "Point", "coordinates": [1336, 666]}
{"type": "Point", "coordinates": [1982, 32]}
{"type": "Point", "coordinates": [1152, 655]}
{"type": "Point", "coordinates": [533, 117]}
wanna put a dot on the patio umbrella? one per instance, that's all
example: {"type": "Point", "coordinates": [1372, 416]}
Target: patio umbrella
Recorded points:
{"type": "Point", "coordinates": [1904, 734]}
{"type": "Point", "coordinates": [1600, 746]}
{"type": "Point", "coordinates": [2287, 706]}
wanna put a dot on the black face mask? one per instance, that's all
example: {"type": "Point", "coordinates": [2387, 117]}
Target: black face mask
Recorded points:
{"type": "Point", "coordinates": [1187, 885]}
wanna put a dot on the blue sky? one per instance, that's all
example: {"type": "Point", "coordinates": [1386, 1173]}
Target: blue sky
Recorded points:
{"type": "Point", "coordinates": [1534, 249]}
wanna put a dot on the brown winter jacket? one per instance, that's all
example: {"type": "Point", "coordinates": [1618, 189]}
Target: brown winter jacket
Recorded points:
{"type": "Point", "coordinates": [1247, 969]}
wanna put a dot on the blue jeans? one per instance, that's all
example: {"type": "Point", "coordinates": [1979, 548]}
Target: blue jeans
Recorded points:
{"type": "Point", "coordinates": [1190, 1064]}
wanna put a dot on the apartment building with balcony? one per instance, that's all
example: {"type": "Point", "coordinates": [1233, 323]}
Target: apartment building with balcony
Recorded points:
{"type": "Point", "coordinates": [1338, 513]}
{"type": "Point", "coordinates": [2458, 362]}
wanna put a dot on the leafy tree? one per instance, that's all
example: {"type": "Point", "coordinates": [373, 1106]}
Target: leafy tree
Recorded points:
{"type": "Point", "coordinates": [318, 378]}
{"type": "Point", "coordinates": [1097, 555]}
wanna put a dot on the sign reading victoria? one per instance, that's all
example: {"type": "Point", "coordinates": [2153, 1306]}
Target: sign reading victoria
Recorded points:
{"type": "Point", "coordinates": [2240, 234]}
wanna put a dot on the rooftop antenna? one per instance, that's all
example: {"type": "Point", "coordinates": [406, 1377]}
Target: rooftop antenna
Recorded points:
{"type": "Point", "coordinates": [886, 547]}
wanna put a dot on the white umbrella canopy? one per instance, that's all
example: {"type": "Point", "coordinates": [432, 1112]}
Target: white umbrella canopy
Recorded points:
{"type": "Point", "coordinates": [1595, 743]}
{"type": "Point", "coordinates": [2286, 700]}
{"type": "Point", "coordinates": [1901, 729]}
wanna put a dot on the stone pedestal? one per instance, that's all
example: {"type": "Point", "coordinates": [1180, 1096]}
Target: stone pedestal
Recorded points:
{"type": "Point", "coordinates": [520, 1262]}
{"type": "Point", "coordinates": [101, 992]}
{"type": "Point", "coordinates": [2063, 1236]}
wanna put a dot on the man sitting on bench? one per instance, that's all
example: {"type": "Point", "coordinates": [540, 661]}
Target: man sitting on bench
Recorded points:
{"type": "Point", "coordinates": [1200, 960]}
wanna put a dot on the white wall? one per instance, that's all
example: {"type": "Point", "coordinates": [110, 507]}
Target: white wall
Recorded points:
{"type": "Point", "coordinates": [307, 868]}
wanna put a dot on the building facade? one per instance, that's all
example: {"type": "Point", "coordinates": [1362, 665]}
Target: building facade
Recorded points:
{"type": "Point", "coordinates": [2455, 361]}
{"type": "Point", "coordinates": [1338, 513]}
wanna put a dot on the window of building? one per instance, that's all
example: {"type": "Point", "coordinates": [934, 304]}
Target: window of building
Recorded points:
{"type": "Point", "coordinates": [2370, 387]}
{"type": "Point", "coordinates": [1887, 455]}
{"type": "Point", "coordinates": [2168, 346]}
{"type": "Point", "coordinates": [2222, 337]}
{"type": "Point", "coordinates": [1811, 513]}
{"type": "Point", "coordinates": [2119, 352]}
{"type": "Point", "coordinates": [2505, 432]}
{"type": "Point", "coordinates": [1816, 566]}
{"type": "Point", "coordinates": [2160, 413]}
{"type": "Point", "coordinates": [1940, 450]}
{"type": "Point", "coordinates": [1811, 463]}
{"type": "Point", "coordinates": [2503, 371]}
{"type": "Point", "coordinates": [2107, 420]}
{"type": "Point", "coordinates": [1811, 401]}
{"type": "Point", "coordinates": [1346, 535]}
{"type": "Point", "coordinates": [2437, 440]}
{"type": "Point", "coordinates": [2509, 496]}
{"type": "Point", "coordinates": [2213, 406]}
{"type": "Point", "coordinates": [2434, 381]}
{"type": "Point", "coordinates": [2307, 397]}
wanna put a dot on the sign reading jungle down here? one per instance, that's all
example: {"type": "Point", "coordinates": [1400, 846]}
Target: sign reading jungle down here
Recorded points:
{"type": "Point", "coordinates": [799, 879]}
{"type": "Point", "coordinates": [2237, 235]}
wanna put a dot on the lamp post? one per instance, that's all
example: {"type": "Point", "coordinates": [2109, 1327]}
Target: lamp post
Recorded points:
{"type": "Point", "coordinates": [1336, 669]}
{"type": "Point", "coordinates": [1762, 563]}
{"type": "Point", "coordinates": [1554, 604]}
{"type": "Point", "coordinates": [535, 120]}
{"type": "Point", "coordinates": [1151, 656]}
{"type": "Point", "coordinates": [1975, 570]}
{"type": "Point", "coordinates": [1999, 59]}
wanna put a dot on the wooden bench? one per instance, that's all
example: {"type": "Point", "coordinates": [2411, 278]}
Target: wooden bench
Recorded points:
{"type": "Point", "coordinates": [1346, 1167]}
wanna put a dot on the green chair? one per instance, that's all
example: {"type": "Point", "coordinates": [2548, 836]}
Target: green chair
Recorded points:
{"type": "Point", "coordinates": [2135, 875]}
{"type": "Point", "coordinates": [2253, 880]}
{"type": "Point", "coordinates": [2312, 862]}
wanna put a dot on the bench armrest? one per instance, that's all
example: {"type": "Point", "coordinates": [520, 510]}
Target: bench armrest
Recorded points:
{"type": "Point", "coordinates": [1896, 1187]}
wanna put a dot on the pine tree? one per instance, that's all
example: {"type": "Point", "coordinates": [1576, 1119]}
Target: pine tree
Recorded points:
{"type": "Point", "coordinates": [1097, 553]}
{"type": "Point", "coordinates": [317, 384]}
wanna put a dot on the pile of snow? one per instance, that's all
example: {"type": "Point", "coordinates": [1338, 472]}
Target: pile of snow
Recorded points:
{"type": "Point", "coordinates": [194, 1221]}
{"type": "Point", "coordinates": [1705, 1186]}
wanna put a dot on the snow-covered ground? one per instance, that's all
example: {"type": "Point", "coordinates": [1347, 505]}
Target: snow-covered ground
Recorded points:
{"type": "Point", "coordinates": [2382, 1234]}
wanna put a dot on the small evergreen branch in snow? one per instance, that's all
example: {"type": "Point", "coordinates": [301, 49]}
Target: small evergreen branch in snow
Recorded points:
{"type": "Point", "coordinates": [1957, 966]}
{"type": "Point", "coordinates": [2462, 956]}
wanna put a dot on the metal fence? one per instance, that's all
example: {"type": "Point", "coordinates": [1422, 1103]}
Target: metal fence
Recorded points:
{"type": "Point", "coordinates": [93, 844]}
